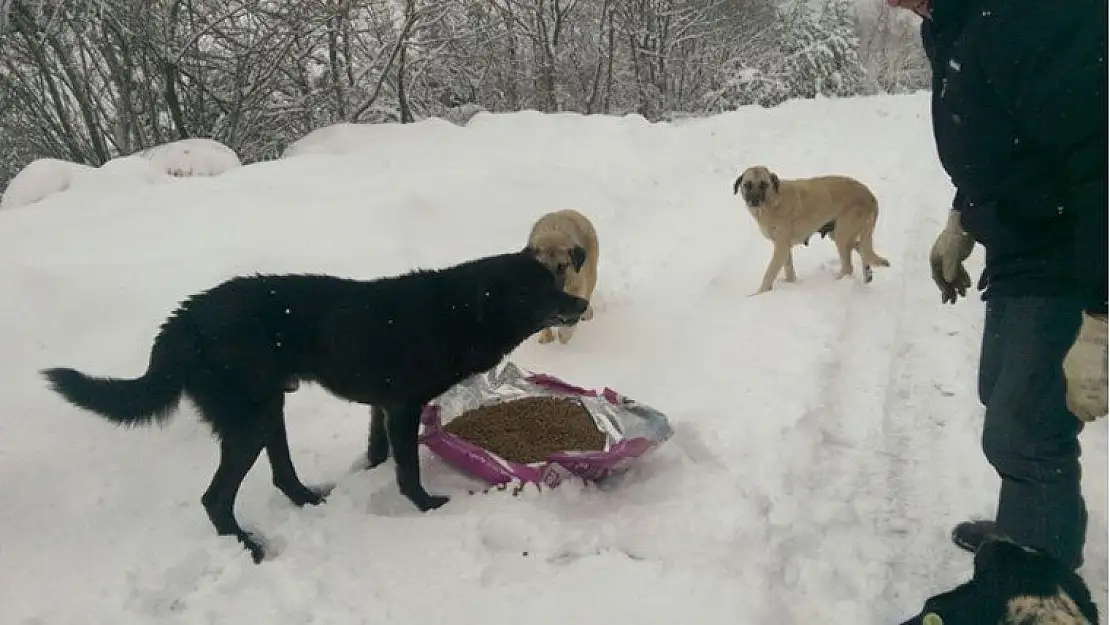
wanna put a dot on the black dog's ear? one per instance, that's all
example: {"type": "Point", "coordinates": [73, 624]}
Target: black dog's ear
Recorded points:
{"type": "Point", "coordinates": [578, 257]}
{"type": "Point", "coordinates": [736, 185]}
{"type": "Point", "coordinates": [775, 181]}
{"type": "Point", "coordinates": [531, 251]}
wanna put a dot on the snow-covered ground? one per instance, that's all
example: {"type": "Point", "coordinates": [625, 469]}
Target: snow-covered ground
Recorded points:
{"type": "Point", "coordinates": [827, 433]}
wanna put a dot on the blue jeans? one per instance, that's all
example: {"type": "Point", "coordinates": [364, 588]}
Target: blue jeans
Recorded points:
{"type": "Point", "coordinates": [1029, 435]}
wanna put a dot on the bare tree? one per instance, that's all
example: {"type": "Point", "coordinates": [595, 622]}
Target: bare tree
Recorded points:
{"type": "Point", "coordinates": [890, 48]}
{"type": "Point", "coordinates": [89, 80]}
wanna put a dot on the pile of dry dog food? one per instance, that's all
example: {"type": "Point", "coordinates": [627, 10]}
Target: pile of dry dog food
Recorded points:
{"type": "Point", "coordinates": [529, 429]}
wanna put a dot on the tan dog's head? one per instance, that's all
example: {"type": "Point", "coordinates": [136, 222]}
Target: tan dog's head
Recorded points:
{"type": "Point", "coordinates": [560, 256]}
{"type": "Point", "coordinates": [759, 185]}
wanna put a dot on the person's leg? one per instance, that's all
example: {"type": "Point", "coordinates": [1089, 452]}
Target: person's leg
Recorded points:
{"type": "Point", "coordinates": [991, 349]}
{"type": "Point", "coordinates": [1029, 436]}
{"type": "Point", "coordinates": [968, 535]}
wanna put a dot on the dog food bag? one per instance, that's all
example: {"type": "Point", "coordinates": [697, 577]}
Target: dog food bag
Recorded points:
{"type": "Point", "coordinates": [508, 425]}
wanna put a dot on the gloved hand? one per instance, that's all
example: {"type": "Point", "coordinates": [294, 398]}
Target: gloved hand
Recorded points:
{"type": "Point", "coordinates": [950, 250]}
{"type": "Point", "coordinates": [1085, 370]}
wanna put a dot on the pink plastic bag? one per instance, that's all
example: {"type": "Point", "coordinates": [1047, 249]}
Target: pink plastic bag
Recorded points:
{"type": "Point", "coordinates": [632, 430]}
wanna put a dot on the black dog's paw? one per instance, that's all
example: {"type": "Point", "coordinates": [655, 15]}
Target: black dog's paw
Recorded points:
{"type": "Point", "coordinates": [375, 460]}
{"type": "Point", "coordinates": [431, 502]}
{"type": "Point", "coordinates": [253, 545]}
{"type": "Point", "coordinates": [301, 495]}
{"type": "Point", "coordinates": [322, 491]}
{"type": "Point", "coordinates": [314, 495]}
{"type": "Point", "coordinates": [377, 451]}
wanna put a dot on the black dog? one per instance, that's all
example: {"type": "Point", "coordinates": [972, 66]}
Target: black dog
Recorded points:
{"type": "Point", "coordinates": [393, 343]}
{"type": "Point", "coordinates": [1013, 585]}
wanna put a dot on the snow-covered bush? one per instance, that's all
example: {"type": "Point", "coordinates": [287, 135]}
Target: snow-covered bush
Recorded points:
{"type": "Point", "coordinates": [123, 170]}
{"type": "Point", "coordinates": [462, 114]}
{"type": "Point", "coordinates": [747, 85]}
{"type": "Point", "coordinates": [192, 157]}
{"type": "Point", "coordinates": [890, 49]}
{"type": "Point", "coordinates": [39, 179]}
{"type": "Point", "coordinates": [821, 51]}
{"type": "Point", "coordinates": [809, 51]}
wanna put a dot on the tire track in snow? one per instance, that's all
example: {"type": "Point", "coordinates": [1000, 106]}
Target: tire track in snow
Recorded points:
{"type": "Point", "coordinates": [932, 384]}
{"type": "Point", "coordinates": [837, 552]}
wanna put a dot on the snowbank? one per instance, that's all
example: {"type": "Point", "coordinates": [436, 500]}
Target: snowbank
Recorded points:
{"type": "Point", "coordinates": [192, 157]}
{"type": "Point", "coordinates": [179, 159]}
{"type": "Point", "coordinates": [347, 138]}
{"type": "Point", "coordinates": [40, 179]}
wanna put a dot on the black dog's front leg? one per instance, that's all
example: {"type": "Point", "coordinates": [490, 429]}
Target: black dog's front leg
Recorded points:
{"type": "Point", "coordinates": [377, 445]}
{"type": "Point", "coordinates": [403, 426]}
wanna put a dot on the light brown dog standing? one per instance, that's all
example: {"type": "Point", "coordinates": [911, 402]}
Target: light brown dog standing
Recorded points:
{"type": "Point", "coordinates": [566, 242]}
{"type": "Point", "coordinates": [790, 211]}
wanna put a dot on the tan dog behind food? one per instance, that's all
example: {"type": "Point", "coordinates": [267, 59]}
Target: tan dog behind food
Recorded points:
{"type": "Point", "coordinates": [566, 242]}
{"type": "Point", "coordinates": [790, 211]}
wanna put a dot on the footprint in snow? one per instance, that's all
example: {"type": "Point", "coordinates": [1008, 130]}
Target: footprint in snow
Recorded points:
{"type": "Point", "coordinates": [168, 594]}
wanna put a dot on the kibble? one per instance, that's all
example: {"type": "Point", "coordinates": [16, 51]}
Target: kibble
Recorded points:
{"type": "Point", "coordinates": [529, 429]}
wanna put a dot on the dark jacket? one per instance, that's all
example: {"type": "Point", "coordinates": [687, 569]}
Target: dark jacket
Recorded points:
{"type": "Point", "coordinates": [1020, 120]}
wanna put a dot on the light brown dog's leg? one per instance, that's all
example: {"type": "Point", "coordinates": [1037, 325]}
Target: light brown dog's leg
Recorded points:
{"type": "Point", "coordinates": [868, 274]}
{"type": "Point", "coordinates": [844, 245]}
{"type": "Point", "coordinates": [778, 260]}
{"type": "Point", "coordinates": [587, 294]}
{"type": "Point", "coordinates": [546, 336]}
{"type": "Point", "coordinates": [867, 246]}
{"type": "Point", "coordinates": [790, 275]}
{"type": "Point", "coordinates": [566, 332]}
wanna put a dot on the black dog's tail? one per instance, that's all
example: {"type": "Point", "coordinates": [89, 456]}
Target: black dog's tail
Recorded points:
{"type": "Point", "coordinates": [138, 401]}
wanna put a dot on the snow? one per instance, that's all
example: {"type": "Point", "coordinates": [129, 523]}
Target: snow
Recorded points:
{"type": "Point", "coordinates": [183, 158]}
{"type": "Point", "coordinates": [196, 156]}
{"type": "Point", "coordinates": [39, 179]}
{"type": "Point", "coordinates": [826, 433]}
{"type": "Point", "coordinates": [120, 171]}
{"type": "Point", "coordinates": [347, 138]}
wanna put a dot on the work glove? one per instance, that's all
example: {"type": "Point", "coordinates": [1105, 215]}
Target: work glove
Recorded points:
{"type": "Point", "coordinates": [946, 259]}
{"type": "Point", "coordinates": [1085, 370]}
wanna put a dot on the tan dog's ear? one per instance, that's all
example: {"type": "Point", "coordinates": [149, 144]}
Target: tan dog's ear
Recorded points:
{"type": "Point", "coordinates": [775, 182]}
{"type": "Point", "coordinates": [736, 185]}
{"type": "Point", "coordinates": [531, 251]}
{"type": "Point", "coordinates": [578, 257]}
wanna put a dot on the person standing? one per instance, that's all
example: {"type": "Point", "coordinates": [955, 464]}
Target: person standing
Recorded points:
{"type": "Point", "coordinates": [1019, 114]}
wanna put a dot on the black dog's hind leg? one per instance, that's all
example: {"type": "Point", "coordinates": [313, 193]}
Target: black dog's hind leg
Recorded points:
{"type": "Point", "coordinates": [377, 444]}
{"type": "Point", "coordinates": [281, 463]}
{"type": "Point", "coordinates": [238, 452]}
{"type": "Point", "coordinates": [403, 426]}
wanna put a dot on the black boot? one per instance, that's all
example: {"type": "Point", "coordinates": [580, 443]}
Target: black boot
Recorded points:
{"type": "Point", "coordinates": [969, 535]}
